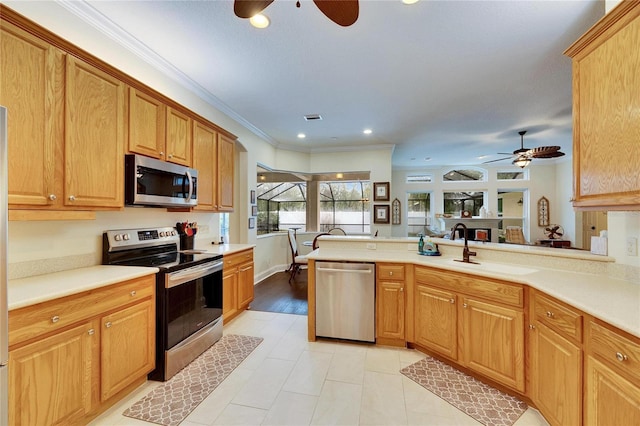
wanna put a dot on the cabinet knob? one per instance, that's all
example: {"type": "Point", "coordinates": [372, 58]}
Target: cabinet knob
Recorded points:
{"type": "Point", "coordinates": [532, 327]}
{"type": "Point", "coordinates": [452, 300]}
{"type": "Point", "coordinates": [108, 324]}
{"type": "Point", "coordinates": [161, 153]}
{"type": "Point", "coordinates": [170, 155]}
{"type": "Point", "coordinates": [72, 197]}
{"type": "Point", "coordinates": [390, 273]}
{"type": "Point", "coordinates": [133, 293]}
{"type": "Point", "coordinates": [91, 332]}
{"type": "Point", "coordinates": [464, 305]}
{"type": "Point", "coordinates": [53, 197]}
{"type": "Point", "coordinates": [401, 288]}
{"type": "Point", "coordinates": [550, 314]}
{"type": "Point", "coordinates": [621, 357]}
{"type": "Point", "coordinates": [55, 319]}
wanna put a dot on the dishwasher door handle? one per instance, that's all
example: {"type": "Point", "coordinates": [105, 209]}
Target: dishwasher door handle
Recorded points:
{"type": "Point", "coordinates": [351, 271]}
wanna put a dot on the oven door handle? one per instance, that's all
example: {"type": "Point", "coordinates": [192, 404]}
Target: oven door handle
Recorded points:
{"type": "Point", "coordinates": [190, 274]}
{"type": "Point", "coordinates": [190, 179]}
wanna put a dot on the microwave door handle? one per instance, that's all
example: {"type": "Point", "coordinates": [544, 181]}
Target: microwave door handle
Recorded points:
{"type": "Point", "coordinates": [190, 179]}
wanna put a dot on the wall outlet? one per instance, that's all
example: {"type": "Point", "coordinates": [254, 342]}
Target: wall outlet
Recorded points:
{"type": "Point", "coordinates": [371, 246]}
{"type": "Point", "coordinates": [632, 246]}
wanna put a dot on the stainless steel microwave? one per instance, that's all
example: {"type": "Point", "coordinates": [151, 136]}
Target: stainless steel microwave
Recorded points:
{"type": "Point", "coordinates": [151, 182]}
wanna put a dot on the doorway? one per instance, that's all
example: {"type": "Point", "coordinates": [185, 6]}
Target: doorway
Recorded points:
{"type": "Point", "coordinates": [592, 224]}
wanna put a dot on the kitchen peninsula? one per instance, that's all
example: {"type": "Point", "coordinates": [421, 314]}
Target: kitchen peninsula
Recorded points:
{"type": "Point", "coordinates": [529, 320]}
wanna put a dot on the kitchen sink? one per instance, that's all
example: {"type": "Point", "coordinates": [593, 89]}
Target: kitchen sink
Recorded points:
{"type": "Point", "coordinates": [499, 268]}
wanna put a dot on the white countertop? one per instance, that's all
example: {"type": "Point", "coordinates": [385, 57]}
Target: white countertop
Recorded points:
{"type": "Point", "coordinates": [221, 248]}
{"type": "Point", "coordinates": [41, 288]}
{"type": "Point", "coordinates": [612, 300]}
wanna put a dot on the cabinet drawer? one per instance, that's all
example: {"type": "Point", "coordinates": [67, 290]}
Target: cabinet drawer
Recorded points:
{"type": "Point", "coordinates": [236, 259]}
{"type": "Point", "coordinates": [499, 291]}
{"type": "Point", "coordinates": [562, 319]}
{"type": "Point", "coordinates": [391, 272]}
{"type": "Point", "coordinates": [42, 318]}
{"type": "Point", "coordinates": [620, 352]}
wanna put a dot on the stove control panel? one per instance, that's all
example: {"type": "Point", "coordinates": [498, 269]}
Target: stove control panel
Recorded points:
{"type": "Point", "coordinates": [123, 239]}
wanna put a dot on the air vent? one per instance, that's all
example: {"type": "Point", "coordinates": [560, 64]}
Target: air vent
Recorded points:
{"type": "Point", "coordinates": [312, 117]}
{"type": "Point", "coordinates": [419, 178]}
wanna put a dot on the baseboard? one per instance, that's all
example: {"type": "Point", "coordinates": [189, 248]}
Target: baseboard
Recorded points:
{"type": "Point", "coordinates": [266, 274]}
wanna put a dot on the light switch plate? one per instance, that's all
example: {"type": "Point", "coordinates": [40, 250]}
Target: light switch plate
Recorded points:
{"type": "Point", "coordinates": [632, 246]}
{"type": "Point", "coordinates": [371, 246]}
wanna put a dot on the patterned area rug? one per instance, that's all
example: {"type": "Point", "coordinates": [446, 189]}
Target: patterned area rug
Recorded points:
{"type": "Point", "coordinates": [485, 404]}
{"type": "Point", "coordinates": [171, 402]}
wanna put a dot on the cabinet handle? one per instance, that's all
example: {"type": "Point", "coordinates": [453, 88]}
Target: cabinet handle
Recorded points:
{"type": "Point", "coordinates": [55, 319]}
{"type": "Point", "coordinates": [390, 273]}
{"type": "Point", "coordinates": [133, 293]}
{"type": "Point", "coordinates": [161, 153]}
{"type": "Point", "coordinates": [550, 314]}
{"type": "Point", "coordinates": [72, 198]}
{"type": "Point", "coordinates": [108, 324]}
{"type": "Point", "coordinates": [452, 300]}
{"type": "Point", "coordinates": [401, 288]}
{"type": "Point", "coordinates": [464, 305]}
{"type": "Point", "coordinates": [621, 357]}
{"type": "Point", "coordinates": [532, 327]}
{"type": "Point", "coordinates": [91, 332]}
{"type": "Point", "coordinates": [53, 197]}
{"type": "Point", "coordinates": [170, 155]}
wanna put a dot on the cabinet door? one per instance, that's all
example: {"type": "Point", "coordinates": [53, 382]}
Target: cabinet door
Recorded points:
{"type": "Point", "coordinates": [390, 309]}
{"type": "Point", "coordinates": [611, 399]}
{"type": "Point", "coordinates": [556, 376]}
{"type": "Point", "coordinates": [436, 320]}
{"type": "Point", "coordinates": [31, 88]}
{"type": "Point", "coordinates": [94, 137]}
{"type": "Point", "coordinates": [178, 137]}
{"type": "Point", "coordinates": [205, 154]}
{"type": "Point", "coordinates": [225, 173]}
{"type": "Point", "coordinates": [50, 380]}
{"type": "Point", "coordinates": [230, 294]}
{"type": "Point", "coordinates": [245, 285]}
{"type": "Point", "coordinates": [493, 342]}
{"type": "Point", "coordinates": [128, 346]}
{"type": "Point", "coordinates": [146, 124]}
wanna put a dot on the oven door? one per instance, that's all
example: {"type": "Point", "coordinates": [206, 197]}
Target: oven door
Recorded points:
{"type": "Point", "coordinates": [192, 300]}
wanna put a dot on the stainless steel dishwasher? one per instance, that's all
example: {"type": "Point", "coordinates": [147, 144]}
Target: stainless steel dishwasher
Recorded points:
{"type": "Point", "coordinates": [345, 300]}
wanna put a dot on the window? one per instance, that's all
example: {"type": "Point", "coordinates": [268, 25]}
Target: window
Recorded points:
{"type": "Point", "coordinates": [419, 178]}
{"type": "Point", "coordinates": [511, 175]}
{"type": "Point", "coordinates": [281, 205]}
{"type": "Point", "coordinates": [456, 202]}
{"type": "Point", "coordinates": [224, 227]}
{"type": "Point", "coordinates": [418, 213]}
{"type": "Point", "coordinates": [464, 174]}
{"type": "Point", "coordinates": [345, 205]}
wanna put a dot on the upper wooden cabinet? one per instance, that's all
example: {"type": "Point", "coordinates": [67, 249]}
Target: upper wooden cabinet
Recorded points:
{"type": "Point", "coordinates": [226, 159]}
{"type": "Point", "coordinates": [147, 124]}
{"type": "Point", "coordinates": [179, 137]}
{"type": "Point", "coordinates": [606, 123]}
{"type": "Point", "coordinates": [32, 89]}
{"type": "Point", "coordinates": [94, 137]}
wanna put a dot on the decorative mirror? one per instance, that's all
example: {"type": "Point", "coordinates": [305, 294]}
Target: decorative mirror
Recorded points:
{"type": "Point", "coordinates": [395, 212]}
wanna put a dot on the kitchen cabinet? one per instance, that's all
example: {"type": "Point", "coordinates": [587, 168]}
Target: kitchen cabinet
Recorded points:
{"type": "Point", "coordinates": [612, 377]}
{"type": "Point", "coordinates": [605, 120]}
{"type": "Point", "coordinates": [488, 323]}
{"type": "Point", "coordinates": [555, 354]}
{"type": "Point", "coordinates": [36, 116]}
{"type": "Point", "coordinates": [179, 137]}
{"type": "Point", "coordinates": [237, 283]}
{"type": "Point", "coordinates": [213, 157]}
{"type": "Point", "coordinates": [390, 303]}
{"type": "Point", "coordinates": [147, 124]}
{"type": "Point", "coordinates": [70, 358]}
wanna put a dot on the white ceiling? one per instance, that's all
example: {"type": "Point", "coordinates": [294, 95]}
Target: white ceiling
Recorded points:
{"type": "Point", "coordinates": [449, 80]}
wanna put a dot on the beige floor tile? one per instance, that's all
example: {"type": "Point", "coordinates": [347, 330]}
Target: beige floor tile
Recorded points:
{"type": "Point", "coordinates": [240, 415]}
{"type": "Point", "coordinates": [531, 417]}
{"type": "Point", "coordinates": [382, 400]}
{"type": "Point", "coordinates": [309, 373]}
{"type": "Point", "coordinates": [347, 367]}
{"type": "Point", "coordinates": [263, 386]}
{"type": "Point", "coordinates": [383, 360]}
{"type": "Point", "coordinates": [418, 400]}
{"type": "Point", "coordinates": [338, 404]}
{"type": "Point", "coordinates": [291, 409]}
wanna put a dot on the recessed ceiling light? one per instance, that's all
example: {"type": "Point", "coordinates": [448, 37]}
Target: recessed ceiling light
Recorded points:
{"type": "Point", "coordinates": [301, 136]}
{"type": "Point", "coordinates": [413, 158]}
{"type": "Point", "coordinates": [259, 21]}
{"type": "Point", "coordinates": [482, 157]}
{"type": "Point", "coordinates": [312, 117]}
{"type": "Point", "coordinates": [367, 131]}
{"type": "Point", "coordinates": [427, 158]}
{"type": "Point", "coordinates": [339, 175]}
{"type": "Point", "coordinates": [410, 1]}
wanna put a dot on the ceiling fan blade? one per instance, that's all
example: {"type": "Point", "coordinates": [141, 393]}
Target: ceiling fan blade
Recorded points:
{"type": "Point", "coordinates": [343, 12]}
{"type": "Point", "coordinates": [499, 159]}
{"type": "Point", "coordinates": [249, 8]}
{"type": "Point", "coordinates": [545, 152]}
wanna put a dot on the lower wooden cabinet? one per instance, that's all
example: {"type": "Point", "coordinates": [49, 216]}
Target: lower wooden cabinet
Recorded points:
{"type": "Point", "coordinates": [436, 320]}
{"type": "Point", "coordinates": [70, 357]}
{"type": "Point", "coordinates": [237, 283]}
{"type": "Point", "coordinates": [390, 303]}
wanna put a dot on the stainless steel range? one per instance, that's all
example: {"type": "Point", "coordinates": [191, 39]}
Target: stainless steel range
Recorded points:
{"type": "Point", "coordinates": [188, 292]}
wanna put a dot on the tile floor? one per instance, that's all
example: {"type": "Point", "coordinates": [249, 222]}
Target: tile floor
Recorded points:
{"type": "Point", "coordinates": [287, 380]}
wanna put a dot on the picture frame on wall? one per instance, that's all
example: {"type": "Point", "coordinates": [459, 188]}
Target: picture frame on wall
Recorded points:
{"type": "Point", "coordinates": [254, 210]}
{"type": "Point", "coordinates": [252, 222]}
{"type": "Point", "coordinates": [380, 213]}
{"type": "Point", "coordinates": [380, 191]}
{"type": "Point", "coordinates": [253, 197]}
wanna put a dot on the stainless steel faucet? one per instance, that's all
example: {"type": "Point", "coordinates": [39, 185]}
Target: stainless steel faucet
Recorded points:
{"type": "Point", "coordinates": [465, 252]}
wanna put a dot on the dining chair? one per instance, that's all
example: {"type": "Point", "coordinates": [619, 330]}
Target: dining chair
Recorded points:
{"type": "Point", "coordinates": [297, 260]}
{"type": "Point", "coordinates": [315, 240]}
{"type": "Point", "coordinates": [336, 231]}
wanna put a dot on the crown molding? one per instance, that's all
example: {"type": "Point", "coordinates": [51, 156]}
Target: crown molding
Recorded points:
{"type": "Point", "coordinates": [97, 20]}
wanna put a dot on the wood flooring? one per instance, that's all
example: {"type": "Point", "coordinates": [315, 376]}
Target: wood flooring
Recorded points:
{"type": "Point", "coordinates": [275, 294]}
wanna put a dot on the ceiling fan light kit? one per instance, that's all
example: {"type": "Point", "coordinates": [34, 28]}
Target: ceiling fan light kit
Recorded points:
{"type": "Point", "coordinates": [343, 12]}
{"type": "Point", "coordinates": [521, 161]}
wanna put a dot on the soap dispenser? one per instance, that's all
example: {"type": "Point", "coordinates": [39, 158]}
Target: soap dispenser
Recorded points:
{"type": "Point", "coordinates": [421, 244]}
